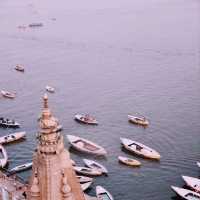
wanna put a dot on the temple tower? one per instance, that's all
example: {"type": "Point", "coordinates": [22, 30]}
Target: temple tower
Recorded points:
{"type": "Point", "coordinates": [53, 177]}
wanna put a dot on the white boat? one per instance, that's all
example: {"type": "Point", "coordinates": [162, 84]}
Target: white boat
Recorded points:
{"type": "Point", "coordinates": [129, 161]}
{"type": "Point", "coordinates": [95, 165]}
{"type": "Point", "coordinates": [193, 183]}
{"type": "Point", "coordinates": [3, 157]}
{"type": "Point", "coordinates": [103, 194]}
{"type": "Point", "coordinates": [87, 171]}
{"type": "Point", "coordinates": [86, 146]}
{"type": "Point", "coordinates": [138, 120]}
{"type": "Point", "coordinates": [84, 179]}
{"type": "Point", "coordinates": [186, 194]}
{"type": "Point", "coordinates": [7, 94]}
{"type": "Point", "coordinates": [19, 68]}
{"type": "Point", "coordinates": [50, 89]}
{"type": "Point", "coordinates": [140, 149]}
{"type": "Point", "coordinates": [86, 119]}
{"type": "Point", "coordinates": [12, 137]}
{"type": "Point", "coordinates": [198, 164]}
{"type": "Point", "coordinates": [22, 167]}
{"type": "Point", "coordinates": [7, 123]}
{"type": "Point", "coordinates": [86, 185]}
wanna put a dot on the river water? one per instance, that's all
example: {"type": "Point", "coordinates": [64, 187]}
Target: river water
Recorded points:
{"type": "Point", "coordinates": [108, 58]}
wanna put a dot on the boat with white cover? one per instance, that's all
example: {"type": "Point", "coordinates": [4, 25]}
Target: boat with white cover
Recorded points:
{"type": "Point", "coordinates": [3, 157]}
{"type": "Point", "coordinates": [103, 194]}
{"type": "Point", "coordinates": [193, 183]}
{"type": "Point", "coordinates": [186, 194]}
{"type": "Point", "coordinates": [84, 179]}
{"type": "Point", "coordinates": [50, 89]}
{"type": "Point", "coordinates": [12, 137]}
{"type": "Point", "coordinates": [19, 68]}
{"type": "Point", "coordinates": [22, 167]}
{"type": "Point", "coordinates": [95, 165]}
{"type": "Point", "coordinates": [140, 149]}
{"type": "Point", "coordinates": [198, 164]}
{"type": "Point", "coordinates": [7, 123]}
{"type": "Point", "coordinates": [7, 94]}
{"type": "Point", "coordinates": [86, 146]}
{"type": "Point", "coordinates": [86, 119]}
{"type": "Point", "coordinates": [138, 120]}
{"type": "Point", "coordinates": [87, 171]}
{"type": "Point", "coordinates": [129, 161]}
{"type": "Point", "coordinates": [86, 185]}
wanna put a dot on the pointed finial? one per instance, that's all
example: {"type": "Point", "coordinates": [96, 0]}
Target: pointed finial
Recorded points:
{"type": "Point", "coordinates": [45, 98]}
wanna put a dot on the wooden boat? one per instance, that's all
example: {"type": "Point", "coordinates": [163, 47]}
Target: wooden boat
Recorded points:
{"type": "Point", "coordinates": [86, 146]}
{"type": "Point", "coordinates": [129, 161]}
{"type": "Point", "coordinates": [50, 89]}
{"type": "Point", "coordinates": [86, 185]}
{"type": "Point", "coordinates": [22, 167]}
{"type": "Point", "coordinates": [140, 149]}
{"type": "Point", "coordinates": [19, 68]}
{"type": "Point", "coordinates": [103, 194]}
{"type": "Point", "coordinates": [7, 94]}
{"type": "Point", "coordinates": [198, 164]}
{"type": "Point", "coordinates": [86, 119]}
{"type": "Point", "coordinates": [138, 120]}
{"type": "Point", "coordinates": [33, 25]}
{"type": "Point", "coordinates": [95, 165]}
{"type": "Point", "coordinates": [12, 137]}
{"type": "Point", "coordinates": [87, 171]}
{"type": "Point", "coordinates": [84, 179]}
{"type": "Point", "coordinates": [186, 194]}
{"type": "Point", "coordinates": [8, 123]}
{"type": "Point", "coordinates": [193, 183]}
{"type": "Point", "coordinates": [3, 157]}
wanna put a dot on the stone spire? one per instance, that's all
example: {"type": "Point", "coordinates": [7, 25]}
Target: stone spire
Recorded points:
{"type": "Point", "coordinates": [53, 177]}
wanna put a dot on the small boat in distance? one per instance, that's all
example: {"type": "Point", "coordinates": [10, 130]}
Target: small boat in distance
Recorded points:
{"type": "Point", "coordinates": [140, 149]}
{"type": "Point", "coordinates": [7, 123]}
{"type": "Point", "coordinates": [129, 161]}
{"type": "Point", "coordinates": [3, 157]}
{"type": "Point", "coordinates": [138, 120]}
{"type": "Point", "coordinates": [87, 171]}
{"type": "Point", "coordinates": [50, 89]}
{"type": "Point", "coordinates": [193, 183]}
{"type": "Point", "coordinates": [86, 185]}
{"type": "Point", "coordinates": [95, 165]}
{"type": "Point", "coordinates": [186, 194]}
{"type": "Point", "coordinates": [86, 146]}
{"type": "Point", "coordinates": [7, 94]}
{"type": "Point", "coordinates": [19, 68]}
{"type": "Point", "coordinates": [198, 164]}
{"type": "Point", "coordinates": [86, 119]}
{"type": "Point", "coordinates": [103, 194]}
{"type": "Point", "coordinates": [21, 167]}
{"type": "Point", "coordinates": [33, 25]}
{"type": "Point", "coordinates": [12, 137]}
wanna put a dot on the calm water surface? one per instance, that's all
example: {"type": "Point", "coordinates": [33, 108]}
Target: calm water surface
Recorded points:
{"type": "Point", "coordinates": [109, 58]}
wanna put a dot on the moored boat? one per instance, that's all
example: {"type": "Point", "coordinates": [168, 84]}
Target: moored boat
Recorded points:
{"type": "Point", "coordinates": [32, 25]}
{"type": "Point", "coordinates": [21, 167]}
{"type": "Point", "coordinates": [95, 165]}
{"type": "Point", "coordinates": [12, 137]}
{"type": "Point", "coordinates": [3, 157]}
{"type": "Point", "coordinates": [140, 149]}
{"type": "Point", "coordinates": [86, 119]}
{"type": "Point", "coordinates": [50, 89]}
{"type": "Point", "coordinates": [129, 161]}
{"type": "Point", "coordinates": [186, 194]}
{"type": "Point", "coordinates": [86, 185]}
{"type": "Point", "coordinates": [198, 164]}
{"type": "Point", "coordinates": [193, 183]}
{"type": "Point", "coordinates": [86, 146]}
{"type": "Point", "coordinates": [7, 94]}
{"type": "Point", "coordinates": [7, 123]}
{"type": "Point", "coordinates": [103, 194]}
{"type": "Point", "coordinates": [84, 179]}
{"type": "Point", "coordinates": [87, 171]}
{"type": "Point", "coordinates": [19, 68]}
{"type": "Point", "coordinates": [138, 120]}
